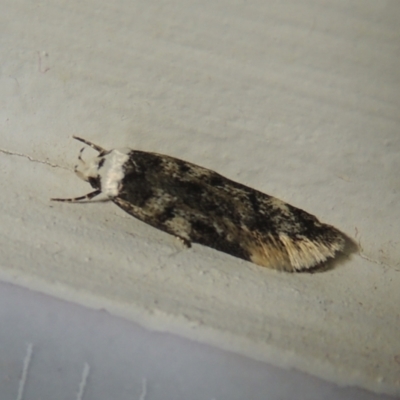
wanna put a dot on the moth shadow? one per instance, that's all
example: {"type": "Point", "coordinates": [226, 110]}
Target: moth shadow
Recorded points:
{"type": "Point", "coordinates": [350, 247]}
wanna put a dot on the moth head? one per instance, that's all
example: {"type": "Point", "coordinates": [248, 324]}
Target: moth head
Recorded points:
{"type": "Point", "coordinates": [89, 171]}
{"type": "Point", "coordinates": [104, 172]}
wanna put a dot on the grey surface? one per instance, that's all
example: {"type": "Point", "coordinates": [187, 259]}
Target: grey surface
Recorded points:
{"type": "Point", "coordinates": [297, 99]}
{"type": "Point", "coordinates": [128, 362]}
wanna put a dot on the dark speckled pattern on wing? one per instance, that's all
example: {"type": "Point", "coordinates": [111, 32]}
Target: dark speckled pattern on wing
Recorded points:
{"type": "Point", "coordinates": [199, 205]}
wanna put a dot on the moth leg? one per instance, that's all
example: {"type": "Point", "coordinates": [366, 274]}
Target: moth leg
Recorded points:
{"type": "Point", "coordinates": [88, 196]}
{"type": "Point", "coordinates": [80, 156]}
{"type": "Point", "coordinates": [92, 145]}
{"type": "Point", "coordinates": [77, 168]}
{"type": "Point", "coordinates": [185, 242]}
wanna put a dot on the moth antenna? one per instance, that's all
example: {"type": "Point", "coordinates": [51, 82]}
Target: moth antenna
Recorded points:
{"type": "Point", "coordinates": [92, 145]}
{"type": "Point", "coordinates": [88, 196]}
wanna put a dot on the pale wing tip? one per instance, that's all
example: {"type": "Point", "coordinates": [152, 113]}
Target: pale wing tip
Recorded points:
{"type": "Point", "coordinates": [298, 254]}
{"type": "Point", "coordinates": [305, 253]}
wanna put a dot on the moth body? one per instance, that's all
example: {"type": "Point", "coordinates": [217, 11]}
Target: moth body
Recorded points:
{"type": "Point", "coordinates": [198, 205]}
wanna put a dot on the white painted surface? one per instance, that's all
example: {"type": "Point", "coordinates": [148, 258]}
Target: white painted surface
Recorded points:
{"type": "Point", "coordinates": [297, 99]}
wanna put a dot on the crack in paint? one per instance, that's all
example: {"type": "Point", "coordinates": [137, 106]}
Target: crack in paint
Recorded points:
{"type": "Point", "coordinates": [11, 153]}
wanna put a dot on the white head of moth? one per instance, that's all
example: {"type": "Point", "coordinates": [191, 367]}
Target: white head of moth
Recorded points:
{"type": "Point", "coordinates": [104, 172]}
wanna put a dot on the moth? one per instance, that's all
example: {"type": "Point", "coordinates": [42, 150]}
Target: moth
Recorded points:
{"type": "Point", "coordinates": [198, 205]}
